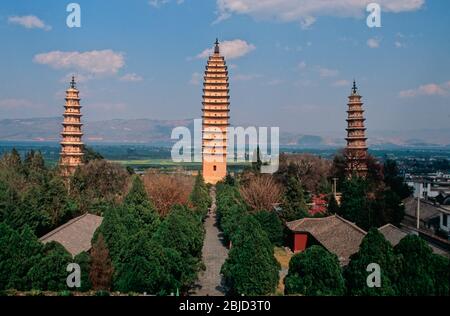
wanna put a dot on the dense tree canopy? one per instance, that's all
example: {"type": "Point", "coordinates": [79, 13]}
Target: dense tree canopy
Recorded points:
{"type": "Point", "coordinates": [355, 205]}
{"type": "Point", "coordinates": [294, 205]}
{"type": "Point", "coordinates": [394, 181]}
{"type": "Point", "coordinates": [417, 275]}
{"type": "Point", "coordinates": [200, 196]}
{"type": "Point", "coordinates": [50, 272]}
{"type": "Point", "coordinates": [138, 200]}
{"type": "Point", "coordinates": [251, 268]}
{"type": "Point", "coordinates": [19, 253]}
{"type": "Point", "coordinates": [98, 185]}
{"type": "Point", "coordinates": [272, 225]}
{"type": "Point", "coordinates": [374, 248]}
{"type": "Point", "coordinates": [314, 272]}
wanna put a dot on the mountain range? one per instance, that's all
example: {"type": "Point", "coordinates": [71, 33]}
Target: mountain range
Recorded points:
{"type": "Point", "coordinates": [158, 132]}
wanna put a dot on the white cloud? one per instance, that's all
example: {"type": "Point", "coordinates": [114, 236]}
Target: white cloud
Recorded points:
{"type": "Point", "coordinates": [29, 22]}
{"type": "Point", "coordinates": [104, 62]}
{"type": "Point", "coordinates": [301, 65]}
{"type": "Point", "coordinates": [305, 12]}
{"type": "Point", "coordinates": [230, 49]}
{"type": "Point", "coordinates": [427, 90]}
{"type": "Point", "coordinates": [326, 72]}
{"type": "Point", "coordinates": [131, 77]}
{"type": "Point", "coordinates": [195, 79]}
{"type": "Point", "coordinates": [374, 42]}
{"type": "Point", "coordinates": [341, 83]}
{"type": "Point", "coordinates": [399, 44]}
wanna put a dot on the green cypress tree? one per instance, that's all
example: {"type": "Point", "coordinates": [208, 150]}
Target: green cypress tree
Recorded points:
{"type": "Point", "coordinates": [50, 273]}
{"type": "Point", "coordinates": [272, 225]}
{"type": "Point", "coordinates": [294, 206]}
{"type": "Point", "coordinates": [374, 248]}
{"type": "Point", "coordinates": [251, 268]}
{"type": "Point", "coordinates": [416, 269]}
{"type": "Point", "coordinates": [355, 205]}
{"type": "Point", "coordinates": [314, 272]}
{"type": "Point", "coordinates": [137, 200]}
{"type": "Point", "coordinates": [200, 196]}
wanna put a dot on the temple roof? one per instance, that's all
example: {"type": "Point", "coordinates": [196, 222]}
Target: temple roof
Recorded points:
{"type": "Point", "coordinates": [76, 234]}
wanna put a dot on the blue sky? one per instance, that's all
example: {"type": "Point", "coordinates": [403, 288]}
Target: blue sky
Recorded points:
{"type": "Point", "coordinates": [291, 61]}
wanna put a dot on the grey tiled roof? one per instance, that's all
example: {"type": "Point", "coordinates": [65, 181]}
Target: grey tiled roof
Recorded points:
{"type": "Point", "coordinates": [392, 233]}
{"type": "Point", "coordinates": [427, 209]}
{"type": "Point", "coordinates": [76, 234]}
{"type": "Point", "coordinates": [336, 234]}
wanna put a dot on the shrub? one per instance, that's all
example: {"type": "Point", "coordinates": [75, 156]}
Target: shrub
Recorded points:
{"type": "Point", "coordinates": [314, 272]}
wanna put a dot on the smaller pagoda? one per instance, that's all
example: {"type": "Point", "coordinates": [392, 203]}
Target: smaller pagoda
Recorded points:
{"type": "Point", "coordinates": [356, 150]}
{"type": "Point", "coordinates": [71, 146]}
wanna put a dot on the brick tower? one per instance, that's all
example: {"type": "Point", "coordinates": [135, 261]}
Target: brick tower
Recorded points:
{"type": "Point", "coordinates": [71, 146]}
{"type": "Point", "coordinates": [215, 118]}
{"type": "Point", "coordinates": [356, 150]}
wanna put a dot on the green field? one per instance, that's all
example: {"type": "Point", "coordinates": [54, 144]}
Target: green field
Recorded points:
{"type": "Point", "coordinates": [169, 164]}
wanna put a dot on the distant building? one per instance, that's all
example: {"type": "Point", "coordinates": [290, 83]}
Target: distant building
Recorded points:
{"type": "Point", "coordinates": [434, 185]}
{"type": "Point", "coordinates": [429, 214]}
{"type": "Point", "coordinates": [356, 150]}
{"type": "Point", "coordinates": [71, 146]}
{"type": "Point", "coordinates": [75, 235]}
{"type": "Point", "coordinates": [444, 220]}
{"type": "Point", "coordinates": [394, 234]}
{"type": "Point", "coordinates": [215, 118]}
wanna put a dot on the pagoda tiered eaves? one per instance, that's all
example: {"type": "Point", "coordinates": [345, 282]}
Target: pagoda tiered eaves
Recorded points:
{"type": "Point", "coordinates": [356, 150]}
{"type": "Point", "coordinates": [215, 118]}
{"type": "Point", "coordinates": [71, 155]}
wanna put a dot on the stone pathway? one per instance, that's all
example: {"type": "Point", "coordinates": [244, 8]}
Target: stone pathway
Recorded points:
{"type": "Point", "coordinates": [214, 255]}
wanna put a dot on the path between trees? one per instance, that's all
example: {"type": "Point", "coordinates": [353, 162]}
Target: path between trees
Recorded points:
{"type": "Point", "coordinates": [214, 254]}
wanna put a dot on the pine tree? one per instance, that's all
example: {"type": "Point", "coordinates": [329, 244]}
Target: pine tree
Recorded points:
{"type": "Point", "coordinates": [333, 206]}
{"type": "Point", "coordinates": [416, 276]}
{"type": "Point", "coordinates": [314, 272]}
{"type": "Point", "coordinates": [256, 165]}
{"type": "Point", "coordinates": [199, 196]}
{"type": "Point", "coordinates": [294, 206]}
{"type": "Point", "coordinates": [138, 201]}
{"type": "Point", "coordinates": [137, 196]}
{"type": "Point", "coordinates": [374, 248]}
{"type": "Point", "coordinates": [355, 205]}
{"type": "Point", "coordinates": [251, 268]}
{"type": "Point", "coordinates": [272, 225]}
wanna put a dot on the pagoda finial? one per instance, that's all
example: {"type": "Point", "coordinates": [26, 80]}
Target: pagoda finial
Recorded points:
{"type": "Point", "coordinates": [73, 83]}
{"type": "Point", "coordinates": [354, 89]}
{"type": "Point", "coordinates": [216, 48]}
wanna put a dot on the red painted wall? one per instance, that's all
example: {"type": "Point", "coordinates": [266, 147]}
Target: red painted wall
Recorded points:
{"type": "Point", "coordinates": [300, 242]}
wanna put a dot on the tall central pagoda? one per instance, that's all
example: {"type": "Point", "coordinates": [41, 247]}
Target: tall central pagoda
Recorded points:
{"type": "Point", "coordinates": [216, 108]}
{"type": "Point", "coordinates": [71, 146]}
{"type": "Point", "coordinates": [356, 150]}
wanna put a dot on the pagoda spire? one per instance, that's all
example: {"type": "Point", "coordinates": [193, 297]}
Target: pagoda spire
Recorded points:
{"type": "Point", "coordinates": [215, 118]}
{"type": "Point", "coordinates": [354, 89]}
{"type": "Point", "coordinates": [356, 150]}
{"type": "Point", "coordinates": [71, 146]}
{"type": "Point", "coordinates": [73, 84]}
{"type": "Point", "coordinates": [216, 47]}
